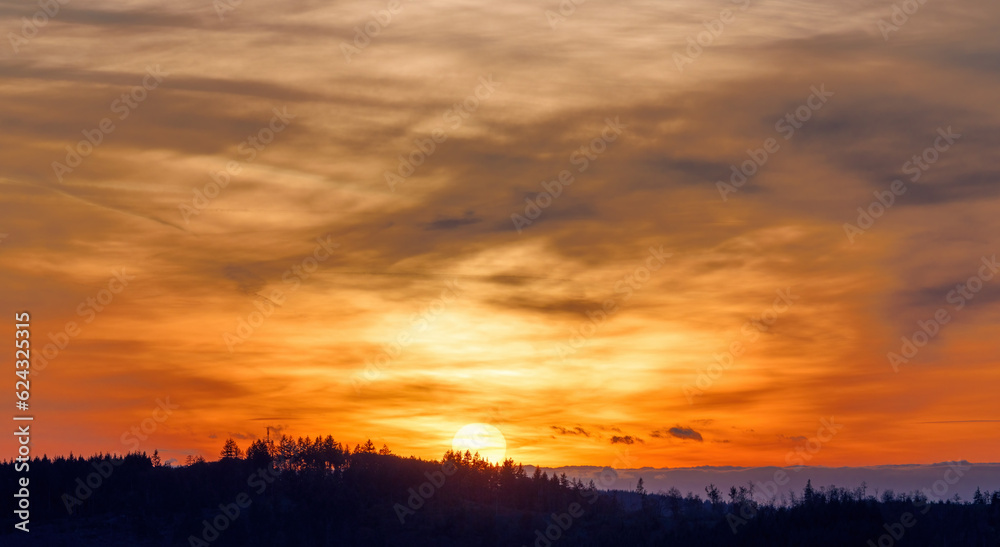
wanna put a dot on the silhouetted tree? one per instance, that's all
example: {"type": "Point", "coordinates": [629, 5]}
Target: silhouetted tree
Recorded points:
{"type": "Point", "coordinates": [230, 450]}
{"type": "Point", "coordinates": [329, 497]}
{"type": "Point", "coordinates": [367, 448]}
{"type": "Point", "coordinates": [714, 495]}
{"type": "Point", "coordinates": [287, 452]}
{"type": "Point", "coordinates": [259, 453]}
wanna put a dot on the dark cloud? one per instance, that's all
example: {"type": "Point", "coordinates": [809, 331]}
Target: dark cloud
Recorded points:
{"type": "Point", "coordinates": [453, 223]}
{"type": "Point", "coordinates": [246, 281]}
{"type": "Point", "coordinates": [573, 431]}
{"type": "Point", "coordinates": [685, 433]}
{"type": "Point", "coordinates": [547, 306]}
{"type": "Point", "coordinates": [795, 438]}
{"type": "Point", "coordinates": [625, 439]}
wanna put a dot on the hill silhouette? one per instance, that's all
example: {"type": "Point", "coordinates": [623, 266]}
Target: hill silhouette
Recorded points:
{"type": "Point", "coordinates": [317, 492]}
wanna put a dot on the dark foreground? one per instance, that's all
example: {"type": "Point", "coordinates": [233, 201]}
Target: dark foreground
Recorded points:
{"type": "Point", "coordinates": [322, 495]}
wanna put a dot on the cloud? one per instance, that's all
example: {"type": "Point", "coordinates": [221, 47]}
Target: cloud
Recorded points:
{"type": "Point", "coordinates": [796, 438]}
{"type": "Point", "coordinates": [574, 431]}
{"type": "Point", "coordinates": [246, 281]}
{"type": "Point", "coordinates": [453, 223]}
{"type": "Point", "coordinates": [626, 439]}
{"type": "Point", "coordinates": [527, 294]}
{"type": "Point", "coordinates": [685, 433]}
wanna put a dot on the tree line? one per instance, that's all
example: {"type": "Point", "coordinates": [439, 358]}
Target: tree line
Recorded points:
{"type": "Point", "coordinates": [319, 492]}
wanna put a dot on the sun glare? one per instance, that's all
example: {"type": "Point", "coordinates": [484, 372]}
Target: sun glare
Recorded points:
{"type": "Point", "coordinates": [483, 438]}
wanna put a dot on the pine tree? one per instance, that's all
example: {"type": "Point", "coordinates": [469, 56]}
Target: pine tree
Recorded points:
{"type": "Point", "coordinates": [808, 495]}
{"type": "Point", "coordinates": [231, 451]}
{"type": "Point", "coordinates": [713, 494]}
{"type": "Point", "coordinates": [258, 453]}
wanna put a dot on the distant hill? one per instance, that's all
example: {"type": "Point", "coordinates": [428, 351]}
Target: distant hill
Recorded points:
{"type": "Point", "coordinates": [315, 492]}
{"type": "Point", "coordinates": [879, 478]}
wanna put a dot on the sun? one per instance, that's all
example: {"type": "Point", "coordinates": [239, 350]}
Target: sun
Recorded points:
{"type": "Point", "coordinates": [482, 438]}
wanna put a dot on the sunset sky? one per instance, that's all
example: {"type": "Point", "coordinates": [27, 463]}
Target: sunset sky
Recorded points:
{"type": "Point", "coordinates": [579, 325]}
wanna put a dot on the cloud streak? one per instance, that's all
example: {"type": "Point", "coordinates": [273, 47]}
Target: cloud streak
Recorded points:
{"type": "Point", "coordinates": [523, 293]}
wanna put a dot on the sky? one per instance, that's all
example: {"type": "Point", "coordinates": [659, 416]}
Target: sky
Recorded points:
{"type": "Point", "coordinates": [712, 233]}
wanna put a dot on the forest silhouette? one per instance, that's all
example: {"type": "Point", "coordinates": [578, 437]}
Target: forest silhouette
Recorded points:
{"type": "Point", "coordinates": [318, 492]}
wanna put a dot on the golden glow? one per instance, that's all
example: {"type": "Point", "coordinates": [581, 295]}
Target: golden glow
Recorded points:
{"type": "Point", "coordinates": [434, 310]}
{"type": "Point", "coordinates": [484, 439]}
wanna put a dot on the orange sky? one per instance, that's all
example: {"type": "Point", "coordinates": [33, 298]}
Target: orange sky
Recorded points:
{"type": "Point", "coordinates": [332, 260]}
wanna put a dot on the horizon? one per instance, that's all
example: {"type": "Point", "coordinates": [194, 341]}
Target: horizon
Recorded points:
{"type": "Point", "coordinates": [775, 482]}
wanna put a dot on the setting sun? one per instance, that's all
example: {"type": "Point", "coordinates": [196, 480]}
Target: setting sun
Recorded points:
{"type": "Point", "coordinates": [485, 439]}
